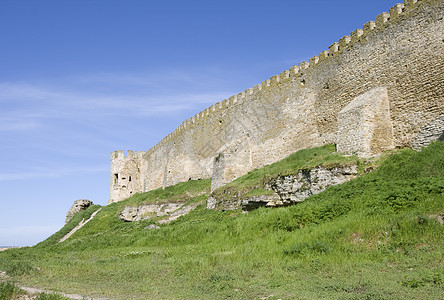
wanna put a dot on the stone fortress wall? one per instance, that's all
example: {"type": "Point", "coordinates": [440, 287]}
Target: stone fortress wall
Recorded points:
{"type": "Point", "coordinates": [379, 88]}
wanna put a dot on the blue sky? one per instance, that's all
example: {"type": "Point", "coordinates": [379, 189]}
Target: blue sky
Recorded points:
{"type": "Point", "coordinates": [79, 79]}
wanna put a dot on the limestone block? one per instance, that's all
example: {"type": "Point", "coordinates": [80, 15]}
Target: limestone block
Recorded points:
{"type": "Point", "coordinates": [365, 126]}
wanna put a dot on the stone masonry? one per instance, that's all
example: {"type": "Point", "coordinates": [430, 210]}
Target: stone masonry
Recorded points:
{"type": "Point", "coordinates": [379, 88]}
{"type": "Point", "coordinates": [126, 174]}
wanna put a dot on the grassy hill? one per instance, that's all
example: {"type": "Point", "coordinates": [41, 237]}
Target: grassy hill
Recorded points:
{"type": "Point", "coordinates": [376, 237]}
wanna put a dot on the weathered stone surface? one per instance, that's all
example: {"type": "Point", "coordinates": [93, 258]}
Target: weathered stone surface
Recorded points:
{"type": "Point", "coordinates": [178, 213]}
{"type": "Point", "coordinates": [78, 206]}
{"type": "Point", "coordinates": [129, 213]}
{"type": "Point", "coordinates": [430, 133]}
{"type": "Point", "coordinates": [146, 211]}
{"type": "Point", "coordinates": [296, 188]}
{"type": "Point", "coordinates": [365, 126]}
{"type": "Point", "coordinates": [230, 161]}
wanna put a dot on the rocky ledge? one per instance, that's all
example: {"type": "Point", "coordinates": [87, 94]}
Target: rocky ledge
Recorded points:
{"type": "Point", "coordinates": [146, 211]}
{"type": "Point", "coordinates": [78, 206]}
{"type": "Point", "coordinates": [171, 211]}
{"type": "Point", "coordinates": [286, 190]}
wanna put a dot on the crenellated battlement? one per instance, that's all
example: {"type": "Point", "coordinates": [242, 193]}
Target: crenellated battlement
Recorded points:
{"type": "Point", "coordinates": [297, 71]}
{"type": "Point", "coordinates": [400, 50]}
{"type": "Point", "coordinates": [126, 173]}
{"type": "Point", "coordinates": [120, 154]}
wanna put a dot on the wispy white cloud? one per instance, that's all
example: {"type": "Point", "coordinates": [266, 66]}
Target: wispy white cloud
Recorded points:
{"type": "Point", "coordinates": [204, 77]}
{"type": "Point", "coordinates": [24, 91]}
{"type": "Point", "coordinates": [51, 173]}
{"type": "Point", "coordinates": [40, 101]}
{"type": "Point", "coordinates": [25, 106]}
{"type": "Point", "coordinates": [17, 124]}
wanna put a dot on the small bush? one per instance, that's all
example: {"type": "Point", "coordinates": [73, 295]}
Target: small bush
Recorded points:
{"type": "Point", "coordinates": [423, 279]}
{"type": "Point", "coordinates": [46, 296]}
{"type": "Point", "coordinates": [317, 247]}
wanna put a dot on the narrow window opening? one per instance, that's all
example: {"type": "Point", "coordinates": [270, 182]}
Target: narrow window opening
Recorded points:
{"type": "Point", "coordinates": [116, 178]}
{"type": "Point", "coordinates": [129, 178]}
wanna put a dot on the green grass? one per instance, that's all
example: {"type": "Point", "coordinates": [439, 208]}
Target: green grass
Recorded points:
{"type": "Point", "coordinates": [375, 237]}
{"type": "Point", "coordinates": [106, 222]}
{"type": "Point", "coordinates": [177, 193]}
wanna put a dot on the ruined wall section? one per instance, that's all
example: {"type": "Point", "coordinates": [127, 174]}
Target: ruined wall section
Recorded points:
{"type": "Point", "coordinates": [402, 51]}
{"type": "Point", "coordinates": [126, 174]}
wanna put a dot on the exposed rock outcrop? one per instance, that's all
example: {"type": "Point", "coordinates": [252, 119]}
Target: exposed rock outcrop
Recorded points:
{"type": "Point", "coordinates": [171, 211]}
{"type": "Point", "coordinates": [146, 211]}
{"type": "Point", "coordinates": [79, 205]}
{"type": "Point", "coordinates": [286, 189]}
{"type": "Point", "coordinates": [180, 212]}
{"type": "Point", "coordinates": [297, 187]}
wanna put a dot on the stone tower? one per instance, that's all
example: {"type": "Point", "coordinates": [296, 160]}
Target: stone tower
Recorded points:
{"type": "Point", "coordinates": [126, 177]}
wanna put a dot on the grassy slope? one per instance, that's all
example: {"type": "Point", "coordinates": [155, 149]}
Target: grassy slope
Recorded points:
{"type": "Point", "coordinates": [372, 238]}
